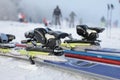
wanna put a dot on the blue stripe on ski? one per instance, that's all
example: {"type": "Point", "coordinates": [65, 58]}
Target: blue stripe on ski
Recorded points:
{"type": "Point", "coordinates": [104, 50]}
{"type": "Point", "coordinates": [99, 69]}
{"type": "Point", "coordinates": [93, 54]}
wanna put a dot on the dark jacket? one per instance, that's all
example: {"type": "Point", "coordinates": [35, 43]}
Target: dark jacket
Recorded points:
{"type": "Point", "coordinates": [57, 12]}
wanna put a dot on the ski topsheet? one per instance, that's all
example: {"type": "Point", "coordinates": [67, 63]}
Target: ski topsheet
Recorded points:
{"type": "Point", "coordinates": [94, 59]}
{"type": "Point", "coordinates": [83, 47]}
{"type": "Point", "coordinates": [96, 69]}
{"type": "Point", "coordinates": [97, 55]}
{"type": "Point", "coordinates": [109, 50]}
{"type": "Point", "coordinates": [104, 53]}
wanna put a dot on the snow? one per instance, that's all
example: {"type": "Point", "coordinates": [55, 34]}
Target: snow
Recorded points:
{"type": "Point", "coordinates": [12, 69]}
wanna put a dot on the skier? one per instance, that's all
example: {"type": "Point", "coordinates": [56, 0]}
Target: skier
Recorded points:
{"type": "Point", "coordinates": [80, 21]}
{"type": "Point", "coordinates": [56, 15]}
{"type": "Point", "coordinates": [67, 21]}
{"type": "Point", "coordinates": [103, 21]}
{"type": "Point", "coordinates": [45, 22]}
{"type": "Point", "coordinates": [72, 19]}
{"type": "Point", "coordinates": [21, 17]}
{"type": "Point", "coordinates": [115, 23]}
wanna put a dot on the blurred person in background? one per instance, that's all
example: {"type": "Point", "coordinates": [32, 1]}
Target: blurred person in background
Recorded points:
{"type": "Point", "coordinates": [72, 19]}
{"type": "Point", "coordinates": [21, 17]}
{"type": "Point", "coordinates": [57, 15]}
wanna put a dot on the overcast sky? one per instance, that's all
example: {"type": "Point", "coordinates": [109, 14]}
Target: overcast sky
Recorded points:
{"type": "Point", "coordinates": [90, 10]}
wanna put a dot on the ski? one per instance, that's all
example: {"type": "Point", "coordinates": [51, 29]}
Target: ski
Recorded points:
{"type": "Point", "coordinates": [91, 68]}
{"type": "Point", "coordinates": [103, 58]}
{"type": "Point", "coordinates": [7, 45]}
{"type": "Point", "coordinates": [101, 70]}
{"type": "Point", "coordinates": [109, 50]}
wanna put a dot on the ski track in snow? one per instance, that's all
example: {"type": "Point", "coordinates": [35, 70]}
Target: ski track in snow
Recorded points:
{"type": "Point", "coordinates": [11, 69]}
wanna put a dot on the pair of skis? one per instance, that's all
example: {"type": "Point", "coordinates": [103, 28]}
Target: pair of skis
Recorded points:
{"type": "Point", "coordinates": [104, 55]}
{"type": "Point", "coordinates": [103, 70]}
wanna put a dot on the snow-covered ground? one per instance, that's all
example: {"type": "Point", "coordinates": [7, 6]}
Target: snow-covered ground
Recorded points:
{"type": "Point", "coordinates": [12, 69]}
